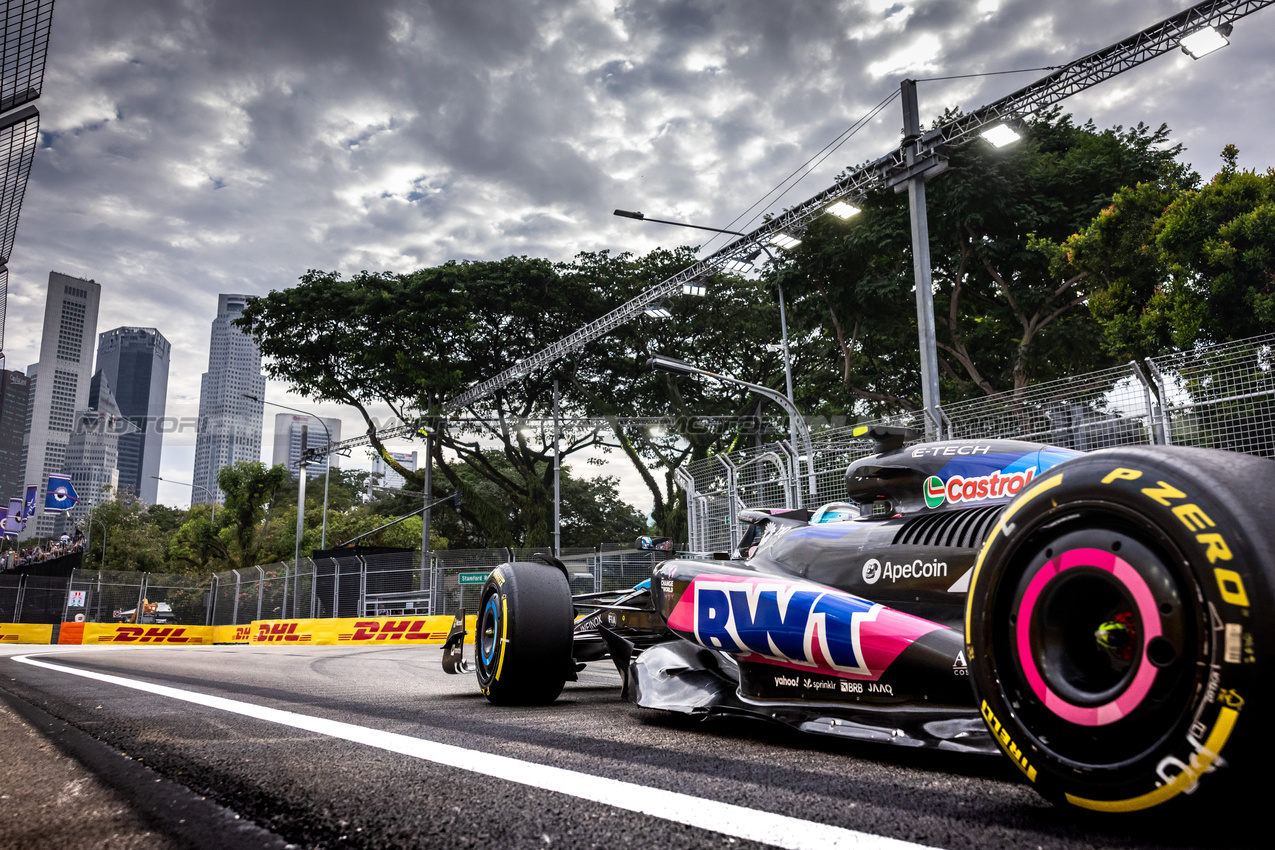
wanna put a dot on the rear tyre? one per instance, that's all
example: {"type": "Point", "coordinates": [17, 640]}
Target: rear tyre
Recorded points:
{"type": "Point", "coordinates": [522, 650]}
{"type": "Point", "coordinates": [1117, 625]}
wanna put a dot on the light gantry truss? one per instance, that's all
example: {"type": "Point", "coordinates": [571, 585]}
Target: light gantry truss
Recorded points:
{"type": "Point", "coordinates": [1083, 73]}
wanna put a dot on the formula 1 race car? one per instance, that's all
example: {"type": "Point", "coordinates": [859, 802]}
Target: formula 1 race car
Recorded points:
{"type": "Point", "coordinates": [1100, 618]}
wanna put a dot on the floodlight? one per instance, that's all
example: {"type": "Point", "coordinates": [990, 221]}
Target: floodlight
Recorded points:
{"type": "Point", "coordinates": [658, 311]}
{"type": "Point", "coordinates": [694, 287]}
{"type": "Point", "coordinates": [1001, 135]}
{"type": "Point", "coordinates": [668, 364]}
{"type": "Point", "coordinates": [737, 266]}
{"type": "Point", "coordinates": [843, 210]}
{"type": "Point", "coordinates": [1205, 40]}
{"type": "Point", "coordinates": [783, 240]}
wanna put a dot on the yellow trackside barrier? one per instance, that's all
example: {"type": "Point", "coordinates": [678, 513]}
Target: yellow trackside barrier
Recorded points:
{"type": "Point", "coordinates": [354, 630]}
{"type": "Point", "coordinates": [21, 633]}
{"type": "Point", "coordinates": [232, 634]}
{"type": "Point", "coordinates": [97, 634]}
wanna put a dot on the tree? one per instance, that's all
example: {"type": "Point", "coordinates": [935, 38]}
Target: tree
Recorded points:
{"type": "Point", "coordinates": [238, 538]}
{"type": "Point", "coordinates": [136, 536]}
{"type": "Point", "coordinates": [1005, 317]}
{"type": "Point", "coordinates": [1180, 264]}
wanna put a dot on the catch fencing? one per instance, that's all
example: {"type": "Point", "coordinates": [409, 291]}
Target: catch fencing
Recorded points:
{"type": "Point", "coordinates": [1212, 396]}
{"type": "Point", "coordinates": [379, 585]}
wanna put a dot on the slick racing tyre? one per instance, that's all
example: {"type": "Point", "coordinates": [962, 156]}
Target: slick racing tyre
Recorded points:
{"type": "Point", "coordinates": [522, 651]}
{"type": "Point", "coordinates": [1118, 627]}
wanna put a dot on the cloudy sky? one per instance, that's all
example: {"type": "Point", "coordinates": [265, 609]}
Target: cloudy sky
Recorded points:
{"type": "Point", "coordinates": [191, 147]}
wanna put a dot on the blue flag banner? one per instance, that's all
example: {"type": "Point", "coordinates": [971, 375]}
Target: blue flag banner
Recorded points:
{"type": "Point", "coordinates": [28, 507]}
{"type": "Point", "coordinates": [11, 520]}
{"type": "Point", "coordinates": [59, 495]}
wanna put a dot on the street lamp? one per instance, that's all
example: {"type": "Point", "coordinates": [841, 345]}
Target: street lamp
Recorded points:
{"type": "Point", "coordinates": [737, 266]}
{"type": "Point", "coordinates": [795, 421]}
{"type": "Point", "coordinates": [327, 468]}
{"type": "Point", "coordinates": [211, 497]}
{"type": "Point", "coordinates": [1205, 40]}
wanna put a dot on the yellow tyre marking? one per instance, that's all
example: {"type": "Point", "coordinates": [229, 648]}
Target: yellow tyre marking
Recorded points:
{"type": "Point", "coordinates": [504, 630]}
{"type": "Point", "coordinates": [1231, 586]}
{"type": "Point", "coordinates": [1028, 494]}
{"type": "Point", "coordinates": [1200, 762]}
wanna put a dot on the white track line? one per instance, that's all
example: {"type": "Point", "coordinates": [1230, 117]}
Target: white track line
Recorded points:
{"type": "Point", "coordinates": [723, 818]}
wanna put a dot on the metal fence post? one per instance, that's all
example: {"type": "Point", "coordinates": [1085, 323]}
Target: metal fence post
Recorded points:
{"type": "Point", "coordinates": [212, 601]}
{"type": "Point", "coordinates": [336, 588]}
{"type": "Point", "coordinates": [362, 609]}
{"type": "Point", "coordinates": [1166, 425]}
{"type": "Point", "coordinates": [17, 605]}
{"type": "Point", "coordinates": [261, 588]}
{"type": "Point", "coordinates": [1156, 427]}
{"type": "Point", "coordinates": [234, 617]}
{"type": "Point", "coordinates": [141, 595]}
{"type": "Point", "coordinates": [283, 608]}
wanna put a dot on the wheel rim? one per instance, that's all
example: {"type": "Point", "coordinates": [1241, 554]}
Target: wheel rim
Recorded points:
{"type": "Point", "coordinates": [488, 631]}
{"type": "Point", "coordinates": [1086, 627]}
{"type": "Point", "coordinates": [1100, 635]}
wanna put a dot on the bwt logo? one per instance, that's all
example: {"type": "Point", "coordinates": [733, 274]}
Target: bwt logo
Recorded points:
{"type": "Point", "coordinates": [790, 623]}
{"type": "Point", "coordinates": [391, 630]}
{"type": "Point", "coordinates": [279, 632]}
{"type": "Point", "coordinates": [155, 634]}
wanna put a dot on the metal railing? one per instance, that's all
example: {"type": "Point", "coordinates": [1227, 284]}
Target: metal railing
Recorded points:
{"type": "Point", "coordinates": [1219, 396]}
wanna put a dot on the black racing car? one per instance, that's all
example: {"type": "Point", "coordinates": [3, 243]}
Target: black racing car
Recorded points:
{"type": "Point", "coordinates": [1099, 618]}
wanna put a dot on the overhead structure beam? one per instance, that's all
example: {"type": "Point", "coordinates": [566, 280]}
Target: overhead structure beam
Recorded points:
{"type": "Point", "coordinates": [1077, 76]}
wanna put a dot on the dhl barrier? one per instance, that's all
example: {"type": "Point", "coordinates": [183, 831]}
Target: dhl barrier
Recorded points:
{"type": "Point", "coordinates": [353, 630]}
{"type": "Point", "coordinates": [17, 633]}
{"type": "Point", "coordinates": [398, 631]}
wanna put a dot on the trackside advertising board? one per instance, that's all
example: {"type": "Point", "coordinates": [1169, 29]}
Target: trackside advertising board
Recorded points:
{"type": "Point", "coordinates": [399, 631]}
{"type": "Point", "coordinates": [367, 630]}
{"type": "Point", "coordinates": [21, 633]}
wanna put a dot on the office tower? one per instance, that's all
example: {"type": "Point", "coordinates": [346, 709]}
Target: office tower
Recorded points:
{"type": "Point", "coordinates": [60, 384]}
{"type": "Point", "coordinates": [134, 361]}
{"type": "Point", "coordinates": [292, 431]}
{"type": "Point", "coordinates": [229, 424]}
{"type": "Point", "coordinates": [15, 389]}
{"type": "Point", "coordinates": [384, 475]}
{"type": "Point", "coordinates": [92, 453]}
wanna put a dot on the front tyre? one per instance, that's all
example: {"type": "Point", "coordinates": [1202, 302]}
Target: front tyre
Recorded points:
{"type": "Point", "coordinates": [1116, 623]}
{"type": "Point", "coordinates": [522, 650]}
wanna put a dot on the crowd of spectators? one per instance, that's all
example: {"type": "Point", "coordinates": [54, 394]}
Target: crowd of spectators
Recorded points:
{"type": "Point", "coordinates": [47, 550]}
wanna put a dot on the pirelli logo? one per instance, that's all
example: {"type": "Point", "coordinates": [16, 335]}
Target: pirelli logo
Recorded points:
{"type": "Point", "coordinates": [148, 634]}
{"type": "Point", "coordinates": [280, 633]}
{"type": "Point", "coordinates": [391, 630]}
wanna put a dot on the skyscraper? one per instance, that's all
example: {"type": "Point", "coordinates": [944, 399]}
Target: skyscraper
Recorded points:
{"type": "Point", "coordinates": [229, 424]}
{"type": "Point", "coordinates": [292, 430]}
{"type": "Point", "coordinates": [15, 389]}
{"type": "Point", "coordinates": [60, 385]}
{"type": "Point", "coordinates": [385, 475]}
{"type": "Point", "coordinates": [134, 362]}
{"type": "Point", "coordinates": [92, 454]}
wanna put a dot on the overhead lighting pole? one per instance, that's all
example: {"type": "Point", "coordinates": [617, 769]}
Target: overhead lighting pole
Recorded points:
{"type": "Point", "coordinates": [327, 470]}
{"type": "Point", "coordinates": [783, 313]}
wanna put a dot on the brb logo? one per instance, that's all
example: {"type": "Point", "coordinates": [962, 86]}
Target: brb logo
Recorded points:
{"type": "Point", "coordinates": [960, 489]}
{"type": "Point", "coordinates": [788, 622]}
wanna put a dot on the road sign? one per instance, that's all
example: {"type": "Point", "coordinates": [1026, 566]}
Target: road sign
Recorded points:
{"type": "Point", "coordinates": [76, 600]}
{"type": "Point", "coordinates": [117, 613]}
{"type": "Point", "coordinates": [473, 578]}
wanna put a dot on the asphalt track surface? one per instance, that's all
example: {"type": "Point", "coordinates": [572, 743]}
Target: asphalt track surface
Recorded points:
{"type": "Point", "coordinates": [377, 747]}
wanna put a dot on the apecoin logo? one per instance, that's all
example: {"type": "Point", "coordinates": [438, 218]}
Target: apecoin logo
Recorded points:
{"type": "Point", "coordinates": [872, 571]}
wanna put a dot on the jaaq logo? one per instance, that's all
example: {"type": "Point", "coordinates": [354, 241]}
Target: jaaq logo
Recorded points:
{"type": "Point", "coordinates": [960, 489]}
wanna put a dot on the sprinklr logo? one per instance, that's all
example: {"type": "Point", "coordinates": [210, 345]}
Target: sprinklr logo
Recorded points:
{"type": "Point", "coordinates": [872, 571]}
{"type": "Point", "coordinates": [959, 489]}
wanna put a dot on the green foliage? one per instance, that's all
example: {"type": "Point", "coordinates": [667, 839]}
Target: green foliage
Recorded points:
{"type": "Point", "coordinates": [136, 536]}
{"type": "Point", "coordinates": [237, 538]}
{"type": "Point", "coordinates": [1005, 316]}
{"type": "Point", "coordinates": [1174, 264]}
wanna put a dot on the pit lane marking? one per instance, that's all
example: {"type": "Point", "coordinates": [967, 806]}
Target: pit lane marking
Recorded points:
{"type": "Point", "coordinates": [723, 818]}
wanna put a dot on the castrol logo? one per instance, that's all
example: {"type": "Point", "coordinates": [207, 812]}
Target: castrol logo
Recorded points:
{"type": "Point", "coordinates": [959, 489]}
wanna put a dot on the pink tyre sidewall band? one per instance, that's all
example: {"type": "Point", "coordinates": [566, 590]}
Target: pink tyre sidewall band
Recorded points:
{"type": "Point", "coordinates": [1133, 695]}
